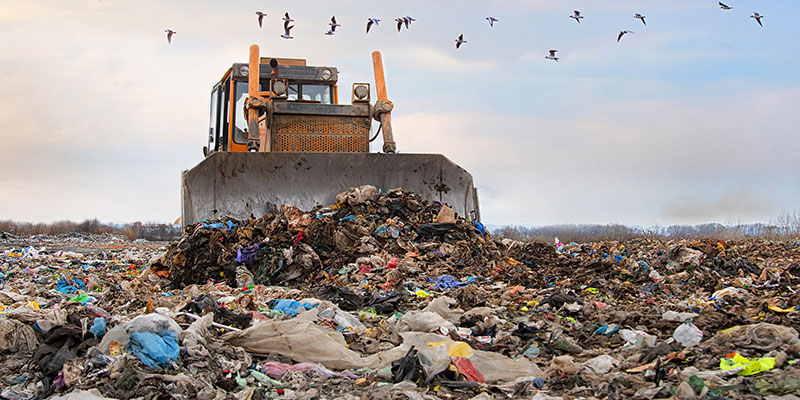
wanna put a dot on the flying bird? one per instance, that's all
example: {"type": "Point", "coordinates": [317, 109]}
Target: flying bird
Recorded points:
{"type": "Point", "coordinates": [576, 15]}
{"type": "Point", "coordinates": [333, 25]}
{"type": "Point", "coordinates": [408, 20]}
{"type": "Point", "coordinates": [724, 6]}
{"type": "Point", "coordinates": [169, 32]}
{"type": "Point", "coordinates": [287, 18]}
{"type": "Point", "coordinates": [641, 17]}
{"type": "Point", "coordinates": [261, 16]}
{"type": "Point", "coordinates": [460, 40]}
{"type": "Point", "coordinates": [286, 29]}
{"type": "Point", "coordinates": [622, 33]}
{"type": "Point", "coordinates": [757, 17]}
{"type": "Point", "coordinates": [371, 22]}
{"type": "Point", "coordinates": [400, 22]}
{"type": "Point", "coordinates": [492, 20]}
{"type": "Point", "coordinates": [552, 55]}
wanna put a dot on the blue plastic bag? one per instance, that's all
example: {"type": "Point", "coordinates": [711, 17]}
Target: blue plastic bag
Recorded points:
{"type": "Point", "coordinates": [98, 327]}
{"type": "Point", "coordinates": [65, 287]}
{"type": "Point", "coordinates": [291, 307]}
{"type": "Point", "coordinates": [480, 227]}
{"type": "Point", "coordinates": [446, 282]}
{"type": "Point", "coordinates": [154, 350]}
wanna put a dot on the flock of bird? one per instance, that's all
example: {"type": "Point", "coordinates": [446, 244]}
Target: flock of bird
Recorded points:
{"type": "Point", "coordinates": [407, 21]}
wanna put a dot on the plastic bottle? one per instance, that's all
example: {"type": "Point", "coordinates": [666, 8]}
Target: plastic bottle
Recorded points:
{"type": "Point", "coordinates": [687, 334]}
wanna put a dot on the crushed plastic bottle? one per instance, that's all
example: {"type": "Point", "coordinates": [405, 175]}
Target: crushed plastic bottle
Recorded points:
{"type": "Point", "coordinates": [687, 334]}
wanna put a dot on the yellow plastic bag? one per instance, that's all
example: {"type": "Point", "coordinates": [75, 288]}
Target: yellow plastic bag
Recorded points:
{"type": "Point", "coordinates": [751, 366]}
{"type": "Point", "coordinates": [775, 308]}
{"type": "Point", "coordinates": [456, 349]}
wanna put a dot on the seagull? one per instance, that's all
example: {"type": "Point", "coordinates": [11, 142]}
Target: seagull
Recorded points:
{"type": "Point", "coordinates": [552, 55]}
{"type": "Point", "coordinates": [169, 32]}
{"type": "Point", "coordinates": [492, 20]}
{"type": "Point", "coordinates": [641, 17]}
{"type": "Point", "coordinates": [408, 20]}
{"type": "Point", "coordinates": [758, 17]}
{"type": "Point", "coordinates": [400, 22]}
{"type": "Point", "coordinates": [261, 16]}
{"type": "Point", "coordinates": [333, 25]}
{"type": "Point", "coordinates": [622, 33]}
{"type": "Point", "coordinates": [286, 29]}
{"type": "Point", "coordinates": [576, 16]}
{"type": "Point", "coordinates": [287, 18]}
{"type": "Point", "coordinates": [460, 40]}
{"type": "Point", "coordinates": [372, 21]}
{"type": "Point", "coordinates": [724, 6]}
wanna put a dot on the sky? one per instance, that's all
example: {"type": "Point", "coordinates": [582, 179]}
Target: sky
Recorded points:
{"type": "Point", "coordinates": [691, 119]}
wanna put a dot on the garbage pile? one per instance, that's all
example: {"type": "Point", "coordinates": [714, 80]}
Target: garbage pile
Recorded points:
{"type": "Point", "coordinates": [385, 296]}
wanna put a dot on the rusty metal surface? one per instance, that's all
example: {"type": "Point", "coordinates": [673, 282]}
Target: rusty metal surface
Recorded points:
{"type": "Point", "coordinates": [238, 184]}
{"type": "Point", "coordinates": [298, 133]}
{"type": "Point", "coordinates": [383, 107]}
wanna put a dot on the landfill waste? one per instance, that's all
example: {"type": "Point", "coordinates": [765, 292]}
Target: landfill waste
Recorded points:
{"type": "Point", "coordinates": [385, 295]}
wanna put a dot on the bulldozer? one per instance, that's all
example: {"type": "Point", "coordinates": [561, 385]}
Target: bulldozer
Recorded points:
{"type": "Point", "coordinates": [278, 135]}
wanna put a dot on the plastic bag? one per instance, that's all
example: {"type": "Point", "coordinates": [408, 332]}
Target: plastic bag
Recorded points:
{"type": "Point", "coordinates": [291, 307]}
{"type": "Point", "coordinates": [687, 334]}
{"type": "Point", "coordinates": [601, 365]}
{"type": "Point", "coordinates": [423, 321]}
{"type": "Point", "coordinates": [468, 369]}
{"type": "Point", "coordinates": [407, 368]}
{"type": "Point", "coordinates": [154, 350]}
{"type": "Point", "coordinates": [750, 366]}
{"type": "Point", "coordinates": [434, 360]}
{"type": "Point", "coordinates": [98, 327]}
{"type": "Point", "coordinates": [299, 340]}
{"type": "Point", "coordinates": [637, 338]}
{"type": "Point", "coordinates": [441, 306]}
{"type": "Point", "coordinates": [358, 195]}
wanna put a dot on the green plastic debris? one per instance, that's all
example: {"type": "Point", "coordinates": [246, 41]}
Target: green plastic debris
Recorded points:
{"type": "Point", "coordinates": [263, 378]}
{"type": "Point", "coordinates": [696, 383]}
{"type": "Point", "coordinates": [81, 298]}
{"type": "Point", "coordinates": [751, 366]}
{"type": "Point", "coordinates": [241, 381]}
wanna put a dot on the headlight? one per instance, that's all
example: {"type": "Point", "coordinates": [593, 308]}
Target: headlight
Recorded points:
{"type": "Point", "coordinates": [279, 88]}
{"type": "Point", "coordinates": [361, 92]}
{"type": "Point", "coordinates": [244, 70]}
{"type": "Point", "coordinates": [326, 74]}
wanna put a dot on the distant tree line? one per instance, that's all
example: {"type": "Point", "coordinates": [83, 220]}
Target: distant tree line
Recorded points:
{"type": "Point", "coordinates": [137, 230]}
{"type": "Point", "coordinates": [785, 226]}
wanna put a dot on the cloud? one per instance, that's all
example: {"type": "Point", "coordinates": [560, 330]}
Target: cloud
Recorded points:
{"type": "Point", "coordinates": [429, 58]}
{"type": "Point", "coordinates": [634, 162]}
{"type": "Point", "coordinates": [100, 115]}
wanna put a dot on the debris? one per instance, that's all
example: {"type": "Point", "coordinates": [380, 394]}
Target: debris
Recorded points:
{"type": "Point", "coordinates": [384, 294]}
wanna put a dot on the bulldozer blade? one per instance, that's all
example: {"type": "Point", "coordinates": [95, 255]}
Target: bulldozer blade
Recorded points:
{"type": "Point", "coordinates": [239, 184]}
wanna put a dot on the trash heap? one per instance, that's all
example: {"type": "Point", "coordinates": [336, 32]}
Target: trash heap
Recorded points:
{"type": "Point", "coordinates": [384, 296]}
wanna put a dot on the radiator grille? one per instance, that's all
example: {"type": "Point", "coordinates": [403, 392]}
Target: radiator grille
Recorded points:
{"type": "Point", "coordinates": [301, 133]}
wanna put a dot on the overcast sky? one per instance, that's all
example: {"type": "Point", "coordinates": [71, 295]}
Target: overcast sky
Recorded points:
{"type": "Point", "coordinates": [691, 119]}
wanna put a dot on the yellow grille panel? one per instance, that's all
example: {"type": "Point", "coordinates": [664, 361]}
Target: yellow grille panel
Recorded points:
{"type": "Point", "coordinates": [301, 133]}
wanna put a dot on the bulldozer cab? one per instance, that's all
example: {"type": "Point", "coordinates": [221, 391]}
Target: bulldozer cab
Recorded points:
{"type": "Point", "coordinates": [300, 112]}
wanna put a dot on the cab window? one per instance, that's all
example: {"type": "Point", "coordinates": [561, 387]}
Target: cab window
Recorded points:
{"type": "Point", "coordinates": [320, 93]}
{"type": "Point", "coordinates": [213, 128]}
{"type": "Point", "coordinates": [240, 123]}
